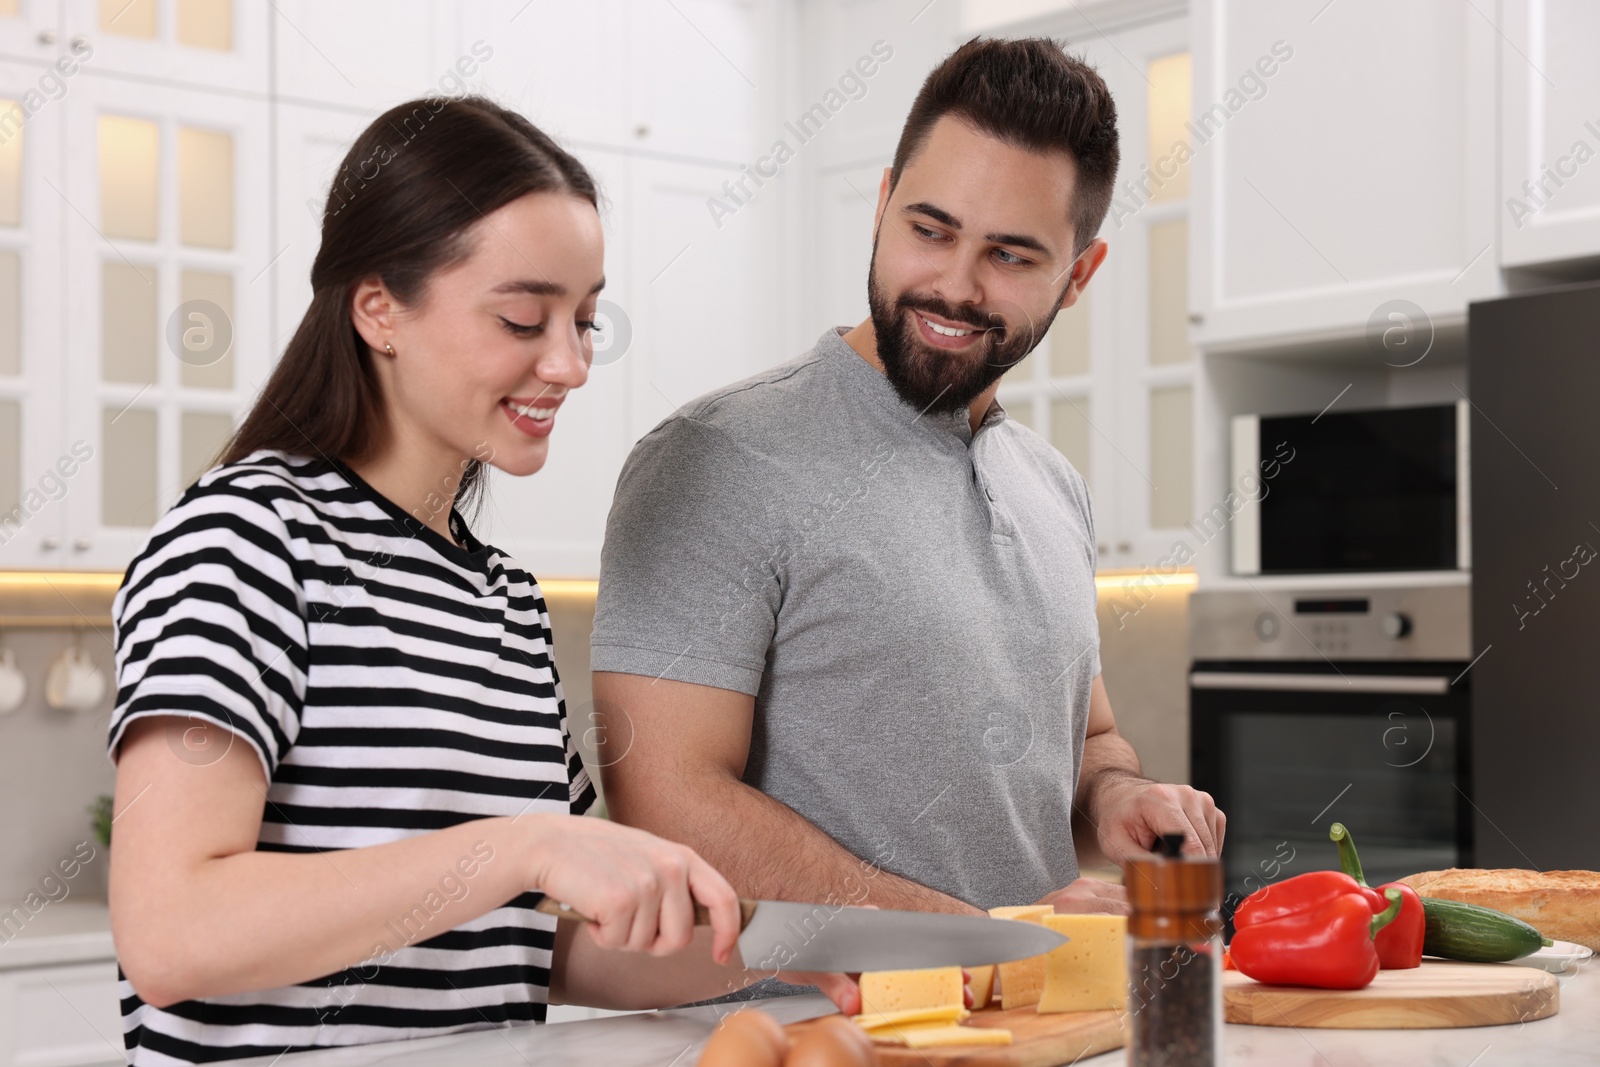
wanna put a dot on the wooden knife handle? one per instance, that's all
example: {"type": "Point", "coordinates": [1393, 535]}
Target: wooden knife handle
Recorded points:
{"type": "Point", "coordinates": [702, 916]}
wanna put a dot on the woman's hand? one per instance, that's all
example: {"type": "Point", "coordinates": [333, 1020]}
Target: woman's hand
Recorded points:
{"type": "Point", "coordinates": [638, 889]}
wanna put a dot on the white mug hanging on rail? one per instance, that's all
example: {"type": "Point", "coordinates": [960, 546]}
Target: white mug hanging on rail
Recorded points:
{"type": "Point", "coordinates": [74, 683]}
{"type": "Point", "coordinates": [13, 686]}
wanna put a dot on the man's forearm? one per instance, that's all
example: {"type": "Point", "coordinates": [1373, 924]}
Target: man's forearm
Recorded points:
{"type": "Point", "coordinates": [1108, 761]}
{"type": "Point", "coordinates": [769, 851]}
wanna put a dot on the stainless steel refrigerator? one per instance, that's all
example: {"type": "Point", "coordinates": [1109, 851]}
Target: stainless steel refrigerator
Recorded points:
{"type": "Point", "coordinates": [1534, 363]}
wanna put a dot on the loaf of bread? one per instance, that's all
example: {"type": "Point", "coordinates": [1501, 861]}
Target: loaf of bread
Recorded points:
{"type": "Point", "coordinates": [1561, 905]}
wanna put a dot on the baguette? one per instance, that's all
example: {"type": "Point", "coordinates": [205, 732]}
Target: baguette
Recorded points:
{"type": "Point", "coordinates": [1561, 905]}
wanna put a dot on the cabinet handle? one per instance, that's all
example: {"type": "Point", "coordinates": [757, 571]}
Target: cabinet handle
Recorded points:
{"type": "Point", "coordinates": [641, 131]}
{"type": "Point", "coordinates": [1196, 319]}
{"type": "Point", "coordinates": [1102, 548]}
{"type": "Point", "coordinates": [82, 544]}
{"type": "Point", "coordinates": [79, 43]}
{"type": "Point", "coordinates": [1124, 546]}
{"type": "Point", "coordinates": [49, 544]}
{"type": "Point", "coordinates": [47, 36]}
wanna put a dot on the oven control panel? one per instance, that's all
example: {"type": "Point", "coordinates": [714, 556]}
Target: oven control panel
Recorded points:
{"type": "Point", "coordinates": [1424, 622]}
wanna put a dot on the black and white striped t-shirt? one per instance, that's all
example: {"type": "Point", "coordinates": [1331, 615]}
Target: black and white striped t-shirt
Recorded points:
{"type": "Point", "coordinates": [392, 683]}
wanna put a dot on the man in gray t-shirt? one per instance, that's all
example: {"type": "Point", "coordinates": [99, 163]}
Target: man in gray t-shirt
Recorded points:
{"type": "Point", "coordinates": [845, 644]}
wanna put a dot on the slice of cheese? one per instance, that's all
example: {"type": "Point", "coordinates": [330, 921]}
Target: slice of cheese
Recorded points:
{"type": "Point", "coordinates": [1089, 972]}
{"type": "Point", "coordinates": [891, 991]}
{"type": "Point", "coordinates": [949, 1015]}
{"type": "Point", "coordinates": [941, 1036]}
{"type": "Point", "coordinates": [1021, 981]}
{"type": "Point", "coordinates": [982, 985]}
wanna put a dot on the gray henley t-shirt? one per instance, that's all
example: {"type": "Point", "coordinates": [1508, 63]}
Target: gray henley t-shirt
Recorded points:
{"type": "Point", "coordinates": [912, 605]}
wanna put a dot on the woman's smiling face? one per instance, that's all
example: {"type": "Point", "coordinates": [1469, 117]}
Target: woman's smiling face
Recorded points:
{"type": "Point", "coordinates": [500, 338]}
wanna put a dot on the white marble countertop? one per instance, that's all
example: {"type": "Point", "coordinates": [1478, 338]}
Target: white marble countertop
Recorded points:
{"type": "Point", "coordinates": [673, 1039]}
{"type": "Point", "coordinates": [67, 931]}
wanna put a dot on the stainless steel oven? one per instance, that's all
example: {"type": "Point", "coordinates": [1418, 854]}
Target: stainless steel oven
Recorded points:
{"type": "Point", "coordinates": [1309, 707]}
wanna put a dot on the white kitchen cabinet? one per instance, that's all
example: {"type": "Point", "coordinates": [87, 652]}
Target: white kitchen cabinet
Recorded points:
{"type": "Point", "coordinates": [30, 29]}
{"type": "Point", "coordinates": [166, 323]}
{"type": "Point", "coordinates": [1111, 386]}
{"type": "Point", "coordinates": [695, 79]}
{"type": "Point", "coordinates": [32, 516]}
{"type": "Point", "coordinates": [219, 44]}
{"type": "Point", "coordinates": [363, 54]}
{"type": "Point", "coordinates": [1343, 156]}
{"type": "Point", "coordinates": [62, 1016]}
{"type": "Point", "coordinates": [1549, 131]}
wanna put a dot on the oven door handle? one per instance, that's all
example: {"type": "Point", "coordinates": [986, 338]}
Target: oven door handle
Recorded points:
{"type": "Point", "coordinates": [1319, 683]}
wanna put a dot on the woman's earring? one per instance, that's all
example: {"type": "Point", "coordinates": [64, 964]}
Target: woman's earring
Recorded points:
{"type": "Point", "coordinates": [389, 348]}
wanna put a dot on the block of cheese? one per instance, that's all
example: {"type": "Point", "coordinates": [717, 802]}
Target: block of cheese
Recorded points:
{"type": "Point", "coordinates": [890, 991]}
{"type": "Point", "coordinates": [1022, 980]}
{"type": "Point", "coordinates": [947, 1016]}
{"type": "Point", "coordinates": [982, 985]}
{"type": "Point", "coordinates": [1089, 972]}
{"type": "Point", "coordinates": [942, 1036]}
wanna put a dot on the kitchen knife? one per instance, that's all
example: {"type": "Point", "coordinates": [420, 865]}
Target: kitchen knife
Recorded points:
{"type": "Point", "coordinates": [828, 937]}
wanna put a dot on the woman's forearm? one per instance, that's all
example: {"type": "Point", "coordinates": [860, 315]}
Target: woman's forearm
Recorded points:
{"type": "Point", "coordinates": [260, 920]}
{"type": "Point", "coordinates": [585, 973]}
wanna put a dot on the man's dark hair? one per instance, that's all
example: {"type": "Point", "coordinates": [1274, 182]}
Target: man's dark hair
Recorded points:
{"type": "Point", "coordinates": [1032, 94]}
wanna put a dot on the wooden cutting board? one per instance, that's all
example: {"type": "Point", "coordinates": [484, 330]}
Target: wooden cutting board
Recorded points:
{"type": "Point", "coordinates": [1436, 995]}
{"type": "Point", "coordinates": [1037, 1040]}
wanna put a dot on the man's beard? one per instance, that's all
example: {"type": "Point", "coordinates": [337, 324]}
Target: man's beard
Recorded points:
{"type": "Point", "coordinates": [931, 379]}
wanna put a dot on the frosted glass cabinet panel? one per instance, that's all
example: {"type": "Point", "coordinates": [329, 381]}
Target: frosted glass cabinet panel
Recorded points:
{"type": "Point", "coordinates": [1169, 292]}
{"type": "Point", "coordinates": [1168, 112]}
{"type": "Point", "coordinates": [206, 24]}
{"type": "Point", "coordinates": [1171, 456]}
{"type": "Point", "coordinates": [128, 463]}
{"type": "Point", "coordinates": [208, 357]}
{"type": "Point", "coordinates": [130, 174]}
{"type": "Point", "coordinates": [205, 188]}
{"type": "Point", "coordinates": [201, 436]}
{"type": "Point", "coordinates": [11, 135]}
{"type": "Point", "coordinates": [1069, 342]}
{"type": "Point", "coordinates": [129, 18]}
{"type": "Point", "coordinates": [10, 452]}
{"type": "Point", "coordinates": [127, 323]}
{"type": "Point", "coordinates": [1069, 432]}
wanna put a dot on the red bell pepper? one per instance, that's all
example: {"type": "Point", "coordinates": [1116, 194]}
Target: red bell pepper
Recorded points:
{"type": "Point", "coordinates": [1315, 929]}
{"type": "Point", "coordinates": [1400, 943]}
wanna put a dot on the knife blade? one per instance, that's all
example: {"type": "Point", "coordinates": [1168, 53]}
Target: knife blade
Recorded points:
{"type": "Point", "coordinates": [778, 934]}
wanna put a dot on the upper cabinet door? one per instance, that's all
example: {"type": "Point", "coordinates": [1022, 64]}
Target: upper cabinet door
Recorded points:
{"type": "Point", "coordinates": [370, 54]}
{"type": "Point", "coordinates": [706, 78]}
{"type": "Point", "coordinates": [29, 29]}
{"type": "Point", "coordinates": [1343, 156]}
{"type": "Point", "coordinates": [213, 43]}
{"type": "Point", "coordinates": [1549, 131]}
{"type": "Point", "coordinates": [166, 323]}
{"type": "Point", "coordinates": [37, 468]}
{"type": "Point", "coordinates": [558, 63]}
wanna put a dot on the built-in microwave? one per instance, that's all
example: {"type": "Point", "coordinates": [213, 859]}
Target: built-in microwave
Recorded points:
{"type": "Point", "coordinates": [1353, 491]}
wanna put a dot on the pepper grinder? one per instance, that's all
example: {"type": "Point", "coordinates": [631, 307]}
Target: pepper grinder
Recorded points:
{"type": "Point", "coordinates": [1174, 958]}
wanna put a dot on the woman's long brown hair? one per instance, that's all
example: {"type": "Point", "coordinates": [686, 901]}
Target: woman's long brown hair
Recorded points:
{"type": "Point", "coordinates": [399, 209]}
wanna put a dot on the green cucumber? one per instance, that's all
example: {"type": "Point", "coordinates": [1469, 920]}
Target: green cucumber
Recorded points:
{"type": "Point", "coordinates": [1460, 931]}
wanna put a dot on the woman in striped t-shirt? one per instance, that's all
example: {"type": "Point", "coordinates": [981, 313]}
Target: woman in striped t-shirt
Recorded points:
{"type": "Point", "coordinates": [345, 772]}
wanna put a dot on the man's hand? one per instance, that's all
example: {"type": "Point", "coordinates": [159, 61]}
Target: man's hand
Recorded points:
{"type": "Point", "coordinates": [1133, 812]}
{"type": "Point", "coordinates": [1089, 895]}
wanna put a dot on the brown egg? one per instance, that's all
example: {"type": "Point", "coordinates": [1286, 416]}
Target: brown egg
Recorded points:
{"type": "Point", "coordinates": [831, 1044]}
{"type": "Point", "coordinates": [855, 1036]}
{"type": "Point", "coordinates": [748, 1038]}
